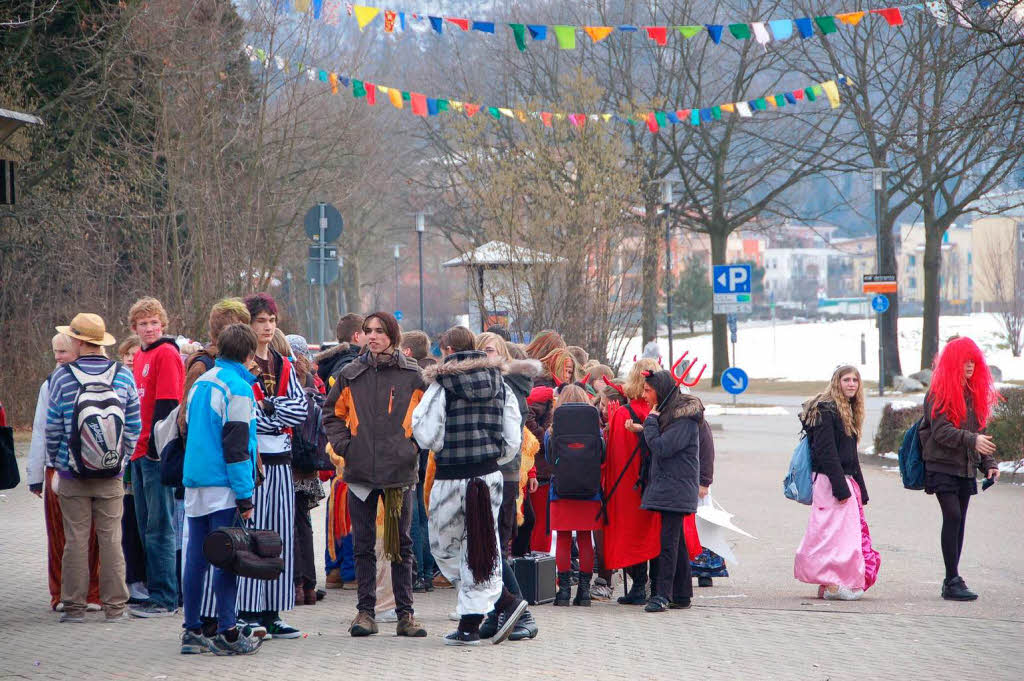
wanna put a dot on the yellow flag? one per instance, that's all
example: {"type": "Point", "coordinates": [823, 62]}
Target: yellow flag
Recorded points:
{"type": "Point", "coordinates": [520, 115]}
{"type": "Point", "coordinates": [851, 18]}
{"type": "Point", "coordinates": [301, 5]}
{"type": "Point", "coordinates": [365, 15]}
{"type": "Point", "coordinates": [832, 92]}
{"type": "Point", "coordinates": [457, 105]}
{"type": "Point", "coordinates": [598, 33]}
{"type": "Point", "coordinates": [606, 117]}
{"type": "Point", "coordinates": [506, 112]}
{"type": "Point", "coordinates": [728, 107]}
{"type": "Point", "coordinates": [560, 116]}
{"type": "Point", "coordinates": [396, 97]}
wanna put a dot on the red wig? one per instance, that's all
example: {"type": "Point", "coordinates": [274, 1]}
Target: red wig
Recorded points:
{"type": "Point", "coordinates": [948, 383]}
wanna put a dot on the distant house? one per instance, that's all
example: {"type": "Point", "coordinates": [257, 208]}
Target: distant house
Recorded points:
{"type": "Point", "coordinates": [10, 123]}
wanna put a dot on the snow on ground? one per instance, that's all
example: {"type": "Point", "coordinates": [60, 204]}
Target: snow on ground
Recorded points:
{"type": "Point", "coordinates": [811, 352]}
{"type": "Point", "coordinates": [713, 410]}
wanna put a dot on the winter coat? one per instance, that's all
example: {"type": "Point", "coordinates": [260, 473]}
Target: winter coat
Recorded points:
{"type": "Point", "coordinates": [675, 458]}
{"type": "Point", "coordinates": [519, 375]}
{"type": "Point", "coordinates": [834, 453]}
{"type": "Point", "coordinates": [331, 361]}
{"type": "Point", "coordinates": [284, 409]}
{"type": "Point", "coordinates": [541, 403]}
{"type": "Point", "coordinates": [368, 419]}
{"type": "Point", "coordinates": [221, 448]}
{"type": "Point", "coordinates": [951, 450]}
{"type": "Point", "coordinates": [707, 454]}
{"type": "Point", "coordinates": [469, 417]}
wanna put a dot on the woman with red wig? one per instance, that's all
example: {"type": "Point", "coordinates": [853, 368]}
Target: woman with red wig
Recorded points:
{"type": "Point", "coordinates": [954, 447]}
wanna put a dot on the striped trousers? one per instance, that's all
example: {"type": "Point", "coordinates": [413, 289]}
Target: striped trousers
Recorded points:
{"type": "Point", "coordinates": [273, 509]}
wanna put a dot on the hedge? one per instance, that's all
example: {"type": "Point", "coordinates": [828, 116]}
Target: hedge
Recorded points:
{"type": "Point", "coordinates": [1006, 426]}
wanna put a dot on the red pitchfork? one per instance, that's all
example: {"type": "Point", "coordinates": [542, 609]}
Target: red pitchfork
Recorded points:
{"type": "Point", "coordinates": [680, 379]}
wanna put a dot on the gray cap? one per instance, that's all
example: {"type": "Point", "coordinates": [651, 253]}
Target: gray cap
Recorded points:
{"type": "Point", "coordinates": [298, 345]}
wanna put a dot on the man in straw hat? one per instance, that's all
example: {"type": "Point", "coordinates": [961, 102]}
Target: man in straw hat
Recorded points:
{"type": "Point", "coordinates": [90, 488]}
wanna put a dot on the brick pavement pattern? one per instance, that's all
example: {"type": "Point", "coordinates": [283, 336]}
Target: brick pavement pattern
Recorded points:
{"type": "Point", "coordinates": [757, 624]}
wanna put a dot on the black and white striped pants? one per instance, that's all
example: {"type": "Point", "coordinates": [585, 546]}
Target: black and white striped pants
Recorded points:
{"type": "Point", "coordinates": [273, 509]}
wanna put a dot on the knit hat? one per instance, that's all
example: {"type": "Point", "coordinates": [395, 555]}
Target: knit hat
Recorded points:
{"type": "Point", "coordinates": [299, 346]}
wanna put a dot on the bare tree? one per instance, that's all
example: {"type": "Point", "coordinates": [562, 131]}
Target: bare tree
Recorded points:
{"type": "Point", "coordinates": [1001, 270]}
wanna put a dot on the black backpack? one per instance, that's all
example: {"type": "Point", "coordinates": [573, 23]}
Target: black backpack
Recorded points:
{"type": "Point", "coordinates": [309, 440]}
{"type": "Point", "coordinates": [577, 451]}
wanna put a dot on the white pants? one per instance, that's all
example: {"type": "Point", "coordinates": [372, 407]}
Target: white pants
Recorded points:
{"type": "Point", "coordinates": [450, 547]}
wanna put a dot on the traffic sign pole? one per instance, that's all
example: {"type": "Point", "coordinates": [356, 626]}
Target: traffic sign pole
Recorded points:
{"type": "Point", "coordinates": [323, 285]}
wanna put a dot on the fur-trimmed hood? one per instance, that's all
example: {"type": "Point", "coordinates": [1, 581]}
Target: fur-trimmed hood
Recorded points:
{"type": "Point", "coordinates": [531, 368]}
{"type": "Point", "coordinates": [334, 352]}
{"type": "Point", "coordinates": [469, 375]}
{"type": "Point", "coordinates": [688, 407]}
{"type": "Point", "coordinates": [461, 363]}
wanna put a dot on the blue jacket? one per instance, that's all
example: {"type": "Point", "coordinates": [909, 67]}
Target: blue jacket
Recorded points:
{"type": "Point", "coordinates": [220, 450]}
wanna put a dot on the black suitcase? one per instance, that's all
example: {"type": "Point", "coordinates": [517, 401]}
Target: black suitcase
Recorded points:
{"type": "Point", "coordinates": [535, 573]}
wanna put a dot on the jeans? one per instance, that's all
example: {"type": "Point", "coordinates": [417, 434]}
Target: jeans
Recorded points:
{"type": "Point", "coordinates": [225, 584]}
{"type": "Point", "coordinates": [364, 536]}
{"type": "Point", "coordinates": [154, 509]}
{"type": "Point", "coordinates": [421, 537]}
{"type": "Point", "coordinates": [673, 581]}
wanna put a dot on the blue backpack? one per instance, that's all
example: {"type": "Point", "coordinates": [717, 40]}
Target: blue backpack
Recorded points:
{"type": "Point", "coordinates": [911, 461]}
{"type": "Point", "coordinates": [799, 484]}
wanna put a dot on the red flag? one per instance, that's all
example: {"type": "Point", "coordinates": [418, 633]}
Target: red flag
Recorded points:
{"type": "Point", "coordinates": [419, 103]}
{"type": "Point", "coordinates": [799, 94]}
{"type": "Point", "coordinates": [578, 119]}
{"type": "Point", "coordinates": [652, 123]}
{"type": "Point", "coordinates": [546, 117]}
{"type": "Point", "coordinates": [471, 109]}
{"type": "Point", "coordinates": [389, 20]}
{"type": "Point", "coordinates": [371, 93]}
{"type": "Point", "coordinates": [891, 15]}
{"type": "Point", "coordinates": [658, 34]}
{"type": "Point", "coordinates": [461, 23]}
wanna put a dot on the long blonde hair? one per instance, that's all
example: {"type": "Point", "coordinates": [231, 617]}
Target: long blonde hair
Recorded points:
{"type": "Point", "coordinates": [488, 338]}
{"type": "Point", "coordinates": [634, 386]}
{"type": "Point", "coordinates": [851, 411]}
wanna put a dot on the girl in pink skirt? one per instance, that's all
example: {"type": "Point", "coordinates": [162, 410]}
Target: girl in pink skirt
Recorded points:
{"type": "Point", "coordinates": [836, 551]}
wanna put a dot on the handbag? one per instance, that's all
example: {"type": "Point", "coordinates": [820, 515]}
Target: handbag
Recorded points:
{"type": "Point", "coordinates": [10, 477]}
{"type": "Point", "coordinates": [245, 551]}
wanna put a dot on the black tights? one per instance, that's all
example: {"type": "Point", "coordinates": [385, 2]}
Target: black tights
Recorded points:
{"type": "Point", "coordinates": [954, 519]}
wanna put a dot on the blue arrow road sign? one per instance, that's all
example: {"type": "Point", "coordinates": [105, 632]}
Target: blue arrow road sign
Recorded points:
{"type": "Point", "coordinates": [879, 303]}
{"type": "Point", "coordinates": [734, 380]}
{"type": "Point", "coordinates": [398, 315]}
{"type": "Point", "coordinates": [732, 279]}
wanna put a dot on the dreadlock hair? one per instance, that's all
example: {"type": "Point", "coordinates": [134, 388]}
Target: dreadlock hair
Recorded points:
{"type": "Point", "coordinates": [543, 344]}
{"type": "Point", "coordinates": [950, 383]}
{"type": "Point", "coordinates": [482, 555]}
{"type": "Point", "coordinates": [554, 365]}
{"type": "Point", "coordinates": [851, 411]}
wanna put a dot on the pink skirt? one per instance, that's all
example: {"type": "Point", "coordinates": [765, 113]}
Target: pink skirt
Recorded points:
{"type": "Point", "coordinates": [836, 548]}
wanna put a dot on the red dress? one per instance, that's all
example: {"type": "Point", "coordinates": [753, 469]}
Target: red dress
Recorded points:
{"type": "Point", "coordinates": [631, 534]}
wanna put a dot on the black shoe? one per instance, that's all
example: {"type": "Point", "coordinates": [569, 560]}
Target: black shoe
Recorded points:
{"type": "Point", "coordinates": [419, 586]}
{"type": "Point", "coordinates": [681, 604]}
{"type": "Point", "coordinates": [525, 628]}
{"type": "Point", "coordinates": [704, 581]}
{"type": "Point", "coordinates": [637, 594]}
{"type": "Point", "coordinates": [507, 620]}
{"type": "Point", "coordinates": [956, 590]}
{"type": "Point", "coordinates": [583, 590]}
{"type": "Point", "coordinates": [462, 638]}
{"type": "Point", "coordinates": [564, 594]}
{"type": "Point", "coordinates": [656, 604]}
{"type": "Point", "coordinates": [321, 594]}
{"type": "Point", "coordinates": [490, 625]}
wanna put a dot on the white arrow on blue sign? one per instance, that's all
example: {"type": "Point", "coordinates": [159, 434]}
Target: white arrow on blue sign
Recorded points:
{"type": "Point", "coordinates": [398, 315]}
{"type": "Point", "coordinates": [880, 303]}
{"type": "Point", "coordinates": [734, 380]}
{"type": "Point", "coordinates": [732, 279]}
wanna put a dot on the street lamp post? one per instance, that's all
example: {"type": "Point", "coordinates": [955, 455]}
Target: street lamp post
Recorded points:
{"type": "Point", "coordinates": [666, 204]}
{"type": "Point", "coordinates": [421, 225]}
{"type": "Point", "coordinates": [877, 184]}
{"type": "Point", "coordinates": [396, 275]}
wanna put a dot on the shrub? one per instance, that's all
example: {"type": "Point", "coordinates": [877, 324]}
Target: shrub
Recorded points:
{"type": "Point", "coordinates": [892, 426]}
{"type": "Point", "coordinates": [1007, 425]}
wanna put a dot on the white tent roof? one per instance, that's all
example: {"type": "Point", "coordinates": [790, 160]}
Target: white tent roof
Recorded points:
{"type": "Point", "coordinates": [498, 254]}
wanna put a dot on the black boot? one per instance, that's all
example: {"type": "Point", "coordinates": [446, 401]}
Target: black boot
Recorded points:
{"type": "Point", "coordinates": [704, 581]}
{"type": "Point", "coordinates": [956, 590]}
{"type": "Point", "coordinates": [564, 595]}
{"type": "Point", "coordinates": [637, 594]}
{"type": "Point", "coordinates": [583, 590]}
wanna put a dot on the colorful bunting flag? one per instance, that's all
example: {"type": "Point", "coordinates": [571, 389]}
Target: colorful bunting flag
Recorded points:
{"type": "Point", "coordinates": [715, 31]}
{"type": "Point", "coordinates": [782, 29]}
{"type": "Point", "coordinates": [519, 32]}
{"type": "Point", "coordinates": [744, 109]}
{"type": "Point", "coordinates": [598, 33]}
{"type": "Point", "coordinates": [389, 20]}
{"type": "Point", "coordinates": [761, 33]}
{"type": "Point", "coordinates": [537, 31]}
{"type": "Point", "coordinates": [805, 27]}
{"type": "Point", "coordinates": [419, 104]}
{"type": "Point", "coordinates": [471, 109]}
{"type": "Point", "coordinates": [566, 37]}
{"type": "Point", "coordinates": [826, 24]}
{"type": "Point", "coordinates": [832, 92]}
{"type": "Point", "coordinates": [891, 14]}
{"type": "Point", "coordinates": [652, 123]}
{"type": "Point", "coordinates": [740, 31]}
{"type": "Point", "coordinates": [396, 98]}
{"type": "Point", "coordinates": [364, 15]}
{"type": "Point", "coordinates": [689, 31]}
{"type": "Point", "coordinates": [483, 26]}
{"type": "Point", "coordinates": [658, 34]}
{"type": "Point", "coordinates": [436, 23]}
{"type": "Point", "coordinates": [371, 94]}
{"type": "Point", "coordinates": [850, 18]}
{"type": "Point", "coordinates": [461, 23]}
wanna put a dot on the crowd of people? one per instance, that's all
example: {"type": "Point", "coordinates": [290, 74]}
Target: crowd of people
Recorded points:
{"type": "Point", "coordinates": [439, 471]}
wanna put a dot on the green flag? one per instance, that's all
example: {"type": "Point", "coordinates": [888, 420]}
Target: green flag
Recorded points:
{"type": "Point", "coordinates": [760, 104]}
{"type": "Point", "coordinates": [716, 113]}
{"type": "Point", "coordinates": [826, 24]}
{"type": "Point", "coordinates": [780, 101]}
{"type": "Point", "coordinates": [740, 31]}
{"type": "Point", "coordinates": [689, 31]}
{"type": "Point", "coordinates": [566, 37]}
{"type": "Point", "coordinates": [357, 88]}
{"type": "Point", "coordinates": [519, 31]}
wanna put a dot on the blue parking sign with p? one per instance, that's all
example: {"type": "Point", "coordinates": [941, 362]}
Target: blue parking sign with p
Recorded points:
{"type": "Point", "coordinates": [732, 279]}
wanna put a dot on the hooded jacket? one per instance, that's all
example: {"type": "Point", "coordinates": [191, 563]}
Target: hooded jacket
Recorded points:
{"type": "Point", "coordinates": [519, 375]}
{"type": "Point", "coordinates": [469, 417]}
{"type": "Point", "coordinates": [673, 437]}
{"type": "Point", "coordinates": [951, 450]}
{"type": "Point", "coordinates": [368, 419]}
{"type": "Point", "coordinates": [331, 361]}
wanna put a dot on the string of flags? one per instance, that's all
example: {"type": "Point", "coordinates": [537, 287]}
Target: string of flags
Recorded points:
{"type": "Point", "coordinates": [764, 32]}
{"type": "Point", "coordinates": [422, 105]}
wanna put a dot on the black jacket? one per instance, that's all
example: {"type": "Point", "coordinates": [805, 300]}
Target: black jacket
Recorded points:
{"type": "Point", "coordinates": [519, 375]}
{"type": "Point", "coordinates": [675, 459]}
{"type": "Point", "coordinates": [951, 450]}
{"type": "Point", "coordinates": [331, 361]}
{"type": "Point", "coordinates": [834, 453]}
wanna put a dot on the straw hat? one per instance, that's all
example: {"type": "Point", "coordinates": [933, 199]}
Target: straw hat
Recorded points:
{"type": "Point", "coordinates": [89, 328]}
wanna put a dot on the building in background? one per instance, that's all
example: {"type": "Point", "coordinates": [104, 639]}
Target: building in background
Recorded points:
{"type": "Point", "coordinates": [956, 276]}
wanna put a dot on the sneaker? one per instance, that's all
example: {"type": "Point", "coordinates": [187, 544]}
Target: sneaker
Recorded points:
{"type": "Point", "coordinates": [461, 638]}
{"type": "Point", "coordinates": [490, 624]}
{"type": "Point", "coordinates": [681, 604]}
{"type": "Point", "coordinates": [656, 604]}
{"type": "Point", "coordinates": [93, 607]}
{"type": "Point", "coordinates": [408, 626]}
{"type": "Point", "coordinates": [59, 607]}
{"type": "Point", "coordinates": [441, 583]}
{"type": "Point", "coordinates": [249, 628]}
{"type": "Point", "coordinates": [601, 591]}
{"type": "Point", "coordinates": [363, 625]}
{"type": "Point", "coordinates": [508, 618]}
{"type": "Point", "coordinates": [244, 645]}
{"type": "Point", "coordinates": [388, 616]}
{"type": "Point", "coordinates": [843, 593]}
{"type": "Point", "coordinates": [72, 618]}
{"type": "Point", "coordinates": [525, 628]}
{"type": "Point", "coordinates": [956, 590]}
{"type": "Point", "coordinates": [195, 644]}
{"type": "Point", "coordinates": [151, 609]}
{"type": "Point", "coordinates": [454, 616]}
{"type": "Point", "coordinates": [119, 619]}
{"type": "Point", "coordinates": [419, 586]}
{"type": "Point", "coordinates": [279, 629]}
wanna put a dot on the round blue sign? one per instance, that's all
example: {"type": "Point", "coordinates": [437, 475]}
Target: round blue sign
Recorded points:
{"type": "Point", "coordinates": [734, 380]}
{"type": "Point", "coordinates": [398, 315]}
{"type": "Point", "coordinates": [879, 303]}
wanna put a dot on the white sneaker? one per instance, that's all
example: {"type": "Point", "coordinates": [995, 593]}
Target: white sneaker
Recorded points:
{"type": "Point", "coordinates": [60, 607]}
{"type": "Point", "coordinates": [93, 607]}
{"type": "Point", "coordinates": [388, 616]}
{"type": "Point", "coordinates": [843, 593]}
{"type": "Point", "coordinates": [455, 617]}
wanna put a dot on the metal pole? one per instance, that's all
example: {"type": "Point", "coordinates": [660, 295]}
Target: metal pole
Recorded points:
{"type": "Point", "coordinates": [323, 285]}
{"type": "Point", "coordinates": [876, 177]}
{"type": "Point", "coordinates": [420, 226]}
{"type": "Point", "coordinates": [668, 283]}
{"type": "Point", "coordinates": [396, 277]}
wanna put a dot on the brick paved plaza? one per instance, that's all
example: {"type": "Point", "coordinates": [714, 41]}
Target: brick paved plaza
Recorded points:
{"type": "Point", "coordinates": [758, 624]}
